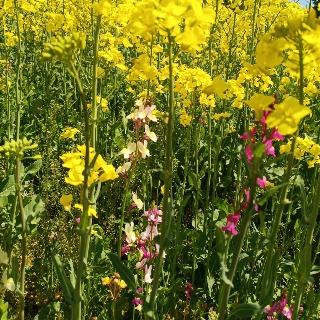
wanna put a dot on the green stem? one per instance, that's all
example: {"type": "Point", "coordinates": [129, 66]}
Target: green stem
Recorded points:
{"type": "Point", "coordinates": [94, 135]}
{"type": "Point", "coordinates": [225, 289]}
{"type": "Point", "coordinates": [305, 261]}
{"type": "Point", "coordinates": [23, 238]}
{"type": "Point", "coordinates": [85, 225]}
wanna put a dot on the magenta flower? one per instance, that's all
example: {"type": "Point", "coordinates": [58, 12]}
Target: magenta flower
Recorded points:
{"type": "Point", "coordinates": [188, 288]}
{"type": "Point", "coordinates": [249, 153]}
{"type": "Point", "coordinates": [276, 135]}
{"type": "Point", "coordinates": [269, 148]}
{"type": "Point", "coordinates": [279, 307]}
{"type": "Point", "coordinates": [232, 222]}
{"type": "Point", "coordinates": [262, 182]}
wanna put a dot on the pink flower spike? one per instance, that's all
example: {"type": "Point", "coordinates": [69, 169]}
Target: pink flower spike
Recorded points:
{"type": "Point", "coordinates": [247, 193]}
{"type": "Point", "coordinates": [287, 312]}
{"type": "Point", "coordinates": [276, 135]}
{"type": "Point", "coordinates": [269, 148]}
{"type": "Point", "coordinates": [245, 136]}
{"type": "Point", "coordinates": [232, 221]}
{"type": "Point", "coordinates": [249, 153]}
{"type": "Point", "coordinates": [262, 183]}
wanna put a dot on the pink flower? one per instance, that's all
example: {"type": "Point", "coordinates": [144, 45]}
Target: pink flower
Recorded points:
{"type": "Point", "coordinates": [249, 153]}
{"type": "Point", "coordinates": [188, 288]}
{"type": "Point", "coordinates": [77, 220]}
{"type": "Point", "coordinates": [276, 135]}
{"type": "Point", "coordinates": [245, 136]}
{"type": "Point", "coordinates": [262, 183]}
{"type": "Point", "coordinates": [269, 148]}
{"type": "Point", "coordinates": [232, 221]}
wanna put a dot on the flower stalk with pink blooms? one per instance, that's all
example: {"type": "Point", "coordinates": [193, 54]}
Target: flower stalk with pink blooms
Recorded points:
{"type": "Point", "coordinates": [259, 144]}
{"type": "Point", "coordinates": [144, 246]}
{"type": "Point", "coordinates": [141, 117]}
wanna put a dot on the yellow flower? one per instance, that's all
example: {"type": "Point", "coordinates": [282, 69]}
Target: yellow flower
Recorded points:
{"type": "Point", "coordinates": [103, 103]}
{"type": "Point", "coordinates": [184, 118]}
{"type": "Point", "coordinates": [91, 211]}
{"type": "Point", "coordinates": [69, 133]}
{"type": "Point", "coordinates": [122, 284]}
{"type": "Point", "coordinates": [65, 201]}
{"type": "Point", "coordinates": [106, 281]}
{"type": "Point", "coordinates": [287, 115]}
{"type": "Point", "coordinates": [259, 103]}
{"type": "Point", "coordinates": [217, 86]}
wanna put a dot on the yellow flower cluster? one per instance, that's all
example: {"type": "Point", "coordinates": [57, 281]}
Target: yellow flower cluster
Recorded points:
{"type": "Point", "coordinates": [66, 202]}
{"type": "Point", "coordinates": [64, 48]}
{"type": "Point", "coordinates": [75, 162]}
{"type": "Point", "coordinates": [18, 148]}
{"type": "Point", "coordinates": [304, 147]}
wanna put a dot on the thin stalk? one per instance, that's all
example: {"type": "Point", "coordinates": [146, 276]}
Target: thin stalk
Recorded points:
{"type": "Point", "coordinates": [85, 225]}
{"type": "Point", "coordinates": [18, 75]}
{"type": "Point", "coordinates": [245, 223]}
{"type": "Point", "coordinates": [94, 85]}
{"type": "Point", "coordinates": [167, 181]}
{"type": "Point", "coordinates": [305, 262]}
{"type": "Point", "coordinates": [23, 237]}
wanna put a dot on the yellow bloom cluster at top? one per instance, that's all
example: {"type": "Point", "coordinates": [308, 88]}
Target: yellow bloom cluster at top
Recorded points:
{"type": "Point", "coordinates": [75, 162]}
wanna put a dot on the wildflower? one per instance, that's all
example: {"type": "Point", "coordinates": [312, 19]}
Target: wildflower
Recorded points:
{"type": "Point", "coordinates": [69, 133]}
{"type": "Point", "coordinates": [130, 234]}
{"type": "Point", "coordinates": [137, 202]}
{"type": "Point", "coordinates": [259, 103]}
{"type": "Point", "coordinates": [262, 182]}
{"type": "Point", "coordinates": [142, 147]}
{"type": "Point", "coordinates": [65, 201]}
{"type": "Point", "coordinates": [91, 211]}
{"type": "Point", "coordinates": [184, 118]}
{"type": "Point", "coordinates": [147, 275]}
{"type": "Point", "coordinates": [188, 288]}
{"type": "Point", "coordinates": [232, 222]}
{"type": "Point", "coordinates": [151, 135]}
{"type": "Point", "coordinates": [287, 115]}
{"type": "Point", "coordinates": [106, 281]}
{"type": "Point", "coordinates": [137, 302]}
{"type": "Point", "coordinates": [131, 148]}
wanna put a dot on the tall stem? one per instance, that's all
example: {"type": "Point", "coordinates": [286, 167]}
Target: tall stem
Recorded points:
{"type": "Point", "coordinates": [245, 223]}
{"type": "Point", "coordinates": [23, 238]}
{"type": "Point", "coordinates": [305, 261]}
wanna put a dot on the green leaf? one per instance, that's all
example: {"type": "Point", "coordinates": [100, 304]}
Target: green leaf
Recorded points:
{"type": "Point", "coordinates": [245, 310]}
{"type": "Point", "coordinates": [33, 209]}
{"type": "Point", "coordinates": [3, 310]}
{"type": "Point", "coordinates": [123, 270]}
{"type": "Point", "coordinates": [33, 168]}
{"type": "Point", "coordinates": [7, 188]}
{"type": "Point", "coordinates": [67, 287]}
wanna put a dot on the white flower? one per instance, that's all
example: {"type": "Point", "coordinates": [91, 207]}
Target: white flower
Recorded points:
{"type": "Point", "coordinates": [147, 276]}
{"type": "Point", "coordinates": [142, 147]}
{"type": "Point", "coordinates": [131, 148]}
{"type": "Point", "coordinates": [151, 135]}
{"type": "Point", "coordinates": [138, 202]}
{"type": "Point", "coordinates": [129, 231]}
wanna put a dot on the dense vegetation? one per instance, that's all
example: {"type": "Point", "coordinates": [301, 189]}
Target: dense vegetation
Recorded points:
{"type": "Point", "coordinates": [159, 159]}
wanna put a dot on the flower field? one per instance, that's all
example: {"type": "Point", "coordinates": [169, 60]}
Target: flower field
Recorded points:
{"type": "Point", "coordinates": [159, 159]}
